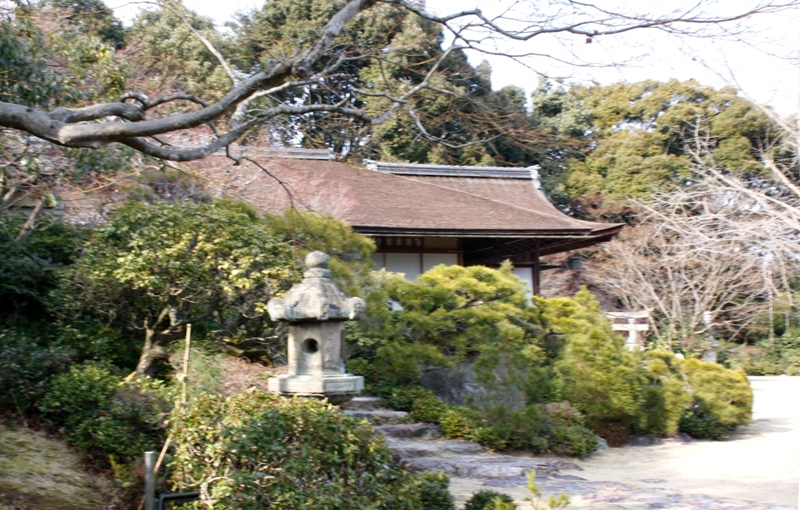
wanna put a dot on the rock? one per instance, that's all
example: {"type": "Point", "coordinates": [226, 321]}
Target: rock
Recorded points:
{"type": "Point", "coordinates": [680, 438]}
{"type": "Point", "coordinates": [463, 448]}
{"type": "Point", "coordinates": [459, 385]}
{"type": "Point", "coordinates": [568, 477]}
{"type": "Point", "coordinates": [602, 444]}
{"type": "Point", "coordinates": [408, 430]}
{"type": "Point", "coordinates": [643, 440]}
{"type": "Point", "coordinates": [507, 483]}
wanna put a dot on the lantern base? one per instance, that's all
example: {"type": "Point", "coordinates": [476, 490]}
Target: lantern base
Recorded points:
{"type": "Point", "coordinates": [336, 388]}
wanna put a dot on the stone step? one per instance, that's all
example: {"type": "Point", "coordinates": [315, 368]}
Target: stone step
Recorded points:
{"type": "Point", "coordinates": [488, 466]}
{"type": "Point", "coordinates": [420, 430]}
{"type": "Point", "coordinates": [364, 403]}
{"type": "Point", "coordinates": [411, 448]}
{"type": "Point", "coordinates": [378, 416]}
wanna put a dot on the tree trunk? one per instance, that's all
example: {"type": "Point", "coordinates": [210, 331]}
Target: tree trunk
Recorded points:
{"type": "Point", "coordinates": [152, 351]}
{"type": "Point", "coordinates": [27, 228]}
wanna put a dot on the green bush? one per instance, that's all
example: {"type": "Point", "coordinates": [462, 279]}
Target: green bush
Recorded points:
{"type": "Point", "coordinates": [457, 423]}
{"type": "Point", "coordinates": [433, 491]}
{"type": "Point", "coordinates": [574, 440]}
{"type": "Point", "coordinates": [594, 371]}
{"type": "Point", "coordinates": [25, 369]}
{"type": "Point", "coordinates": [450, 314]}
{"type": "Point", "coordinates": [776, 357]}
{"type": "Point", "coordinates": [154, 268]}
{"type": "Point", "coordinates": [666, 396]}
{"type": "Point", "coordinates": [91, 340]}
{"type": "Point", "coordinates": [597, 383]}
{"type": "Point", "coordinates": [29, 270]}
{"type": "Point", "coordinates": [421, 404]}
{"type": "Point", "coordinates": [722, 400]}
{"type": "Point", "coordinates": [257, 450]}
{"type": "Point", "coordinates": [79, 394]}
{"type": "Point", "coordinates": [483, 500]}
{"type": "Point", "coordinates": [105, 416]}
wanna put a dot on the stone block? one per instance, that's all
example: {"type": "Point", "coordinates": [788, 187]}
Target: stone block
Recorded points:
{"type": "Point", "coordinates": [329, 386]}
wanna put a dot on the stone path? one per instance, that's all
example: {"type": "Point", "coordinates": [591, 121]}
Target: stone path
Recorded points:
{"type": "Point", "coordinates": [757, 469]}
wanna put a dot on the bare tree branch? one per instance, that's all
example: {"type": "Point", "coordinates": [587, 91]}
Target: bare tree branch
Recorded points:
{"type": "Point", "coordinates": [133, 124]}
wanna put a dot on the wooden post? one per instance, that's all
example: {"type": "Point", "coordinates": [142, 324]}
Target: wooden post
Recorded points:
{"type": "Point", "coordinates": [149, 482]}
{"type": "Point", "coordinates": [537, 270]}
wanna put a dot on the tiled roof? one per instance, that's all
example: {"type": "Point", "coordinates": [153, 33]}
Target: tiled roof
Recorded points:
{"type": "Point", "coordinates": [375, 202]}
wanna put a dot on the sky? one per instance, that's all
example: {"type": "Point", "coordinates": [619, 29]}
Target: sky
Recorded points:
{"type": "Point", "coordinates": [758, 56]}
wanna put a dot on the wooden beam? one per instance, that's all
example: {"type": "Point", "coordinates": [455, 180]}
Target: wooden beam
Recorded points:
{"type": "Point", "coordinates": [537, 270]}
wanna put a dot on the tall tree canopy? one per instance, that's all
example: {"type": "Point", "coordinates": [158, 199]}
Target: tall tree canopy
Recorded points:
{"type": "Point", "coordinates": [650, 136]}
{"type": "Point", "coordinates": [305, 69]}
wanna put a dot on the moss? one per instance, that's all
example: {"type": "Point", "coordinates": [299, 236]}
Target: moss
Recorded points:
{"type": "Point", "coordinates": [42, 473]}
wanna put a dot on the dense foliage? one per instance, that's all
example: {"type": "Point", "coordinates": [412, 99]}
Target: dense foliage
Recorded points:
{"type": "Point", "coordinates": [29, 269]}
{"type": "Point", "coordinates": [775, 356]}
{"type": "Point", "coordinates": [548, 374]}
{"type": "Point", "coordinates": [647, 136]}
{"type": "Point", "coordinates": [256, 449]}
{"type": "Point", "coordinates": [109, 419]}
{"type": "Point", "coordinates": [482, 500]}
{"type": "Point", "coordinates": [156, 267]}
{"type": "Point", "coordinates": [594, 371]}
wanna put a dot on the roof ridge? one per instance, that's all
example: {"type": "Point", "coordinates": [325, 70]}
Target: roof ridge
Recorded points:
{"type": "Point", "coordinates": [562, 216]}
{"type": "Point", "coordinates": [427, 169]}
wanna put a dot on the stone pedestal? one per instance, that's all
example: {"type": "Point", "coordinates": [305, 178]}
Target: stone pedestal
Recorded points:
{"type": "Point", "coordinates": [316, 310]}
{"type": "Point", "coordinates": [336, 388]}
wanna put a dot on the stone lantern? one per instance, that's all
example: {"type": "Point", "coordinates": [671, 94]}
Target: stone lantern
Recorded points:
{"type": "Point", "coordinates": [316, 310]}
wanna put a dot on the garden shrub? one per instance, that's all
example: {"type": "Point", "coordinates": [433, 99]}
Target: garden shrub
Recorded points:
{"type": "Point", "coordinates": [91, 340]}
{"type": "Point", "coordinates": [154, 268]}
{"type": "Point", "coordinates": [25, 368]}
{"type": "Point", "coordinates": [77, 395]}
{"type": "Point", "coordinates": [571, 370]}
{"type": "Point", "coordinates": [257, 450]}
{"type": "Point", "coordinates": [457, 423]}
{"type": "Point", "coordinates": [451, 314]}
{"type": "Point", "coordinates": [666, 395]}
{"type": "Point", "coordinates": [769, 357]}
{"type": "Point", "coordinates": [721, 400]}
{"type": "Point", "coordinates": [483, 500]}
{"type": "Point", "coordinates": [105, 416]}
{"type": "Point", "coordinates": [573, 440]}
{"type": "Point", "coordinates": [433, 492]}
{"type": "Point", "coordinates": [421, 404]}
{"type": "Point", "coordinates": [594, 371]}
{"type": "Point", "coordinates": [29, 270]}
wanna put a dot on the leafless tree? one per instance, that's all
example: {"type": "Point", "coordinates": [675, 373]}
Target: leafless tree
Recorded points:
{"type": "Point", "coordinates": [716, 251]}
{"type": "Point", "coordinates": [137, 122]}
{"type": "Point", "coordinates": [699, 281]}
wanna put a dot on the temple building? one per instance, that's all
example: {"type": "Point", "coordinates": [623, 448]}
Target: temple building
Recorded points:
{"type": "Point", "coordinates": [419, 215]}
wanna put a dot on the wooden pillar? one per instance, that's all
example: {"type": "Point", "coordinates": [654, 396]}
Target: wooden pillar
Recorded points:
{"type": "Point", "coordinates": [537, 270]}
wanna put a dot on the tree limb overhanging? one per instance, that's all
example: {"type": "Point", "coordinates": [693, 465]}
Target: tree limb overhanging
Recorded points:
{"type": "Point", "coordinates": [133, 121]}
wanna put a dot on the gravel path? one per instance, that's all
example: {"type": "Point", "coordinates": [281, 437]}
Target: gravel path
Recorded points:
{"type": "Point", "coordinates": [756, 469]}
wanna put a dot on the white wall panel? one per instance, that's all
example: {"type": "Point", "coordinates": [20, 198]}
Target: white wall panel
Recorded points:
{"type": "Point", "coordinates": [430, 260]}
{"type": "Point", "coordinates": [525, 274]}
{"type": "Point", "coordinates": [407, 263]}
